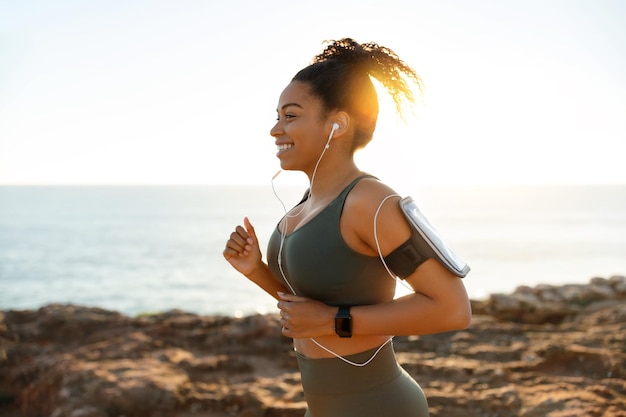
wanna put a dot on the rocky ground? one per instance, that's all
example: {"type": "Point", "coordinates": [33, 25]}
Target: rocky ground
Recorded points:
{"type": "Point", "coordinates": [538, 352]}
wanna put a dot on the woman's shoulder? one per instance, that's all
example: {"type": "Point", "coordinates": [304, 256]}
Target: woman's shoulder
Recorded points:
{"type": "Point", "coordinates": [374, 202]}
{"type": "Point", "coordinates": [371, 188]}
{"type": "Point", "coordinates": [368, 194]}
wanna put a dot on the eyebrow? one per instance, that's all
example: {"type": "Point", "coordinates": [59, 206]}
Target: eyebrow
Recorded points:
{"type": "Point", "coordinates": [284, 106]}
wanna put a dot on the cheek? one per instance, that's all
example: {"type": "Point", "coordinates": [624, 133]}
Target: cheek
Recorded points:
{"type": "Point", "coordinates": [308, 136]}
{"type": "Point", "coordinates": [298, 133]}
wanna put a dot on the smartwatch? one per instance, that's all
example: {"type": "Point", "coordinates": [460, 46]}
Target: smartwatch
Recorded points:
{"type": "Point", "coordinates": [343, 322]}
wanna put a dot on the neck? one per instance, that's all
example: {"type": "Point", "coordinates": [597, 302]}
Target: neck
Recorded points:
{"type": "Point", "coordinates": [330, 179]}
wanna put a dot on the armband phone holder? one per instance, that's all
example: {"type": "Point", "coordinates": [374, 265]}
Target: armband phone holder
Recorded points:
{"type": "Point", "coordinates": [428, 242]}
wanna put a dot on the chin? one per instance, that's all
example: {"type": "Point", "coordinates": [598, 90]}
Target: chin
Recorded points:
{"type": "Point", "coordinates": [286, 166]}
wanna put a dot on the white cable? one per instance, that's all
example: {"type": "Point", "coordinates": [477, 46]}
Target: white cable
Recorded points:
{"type": "Point", "coordinates": [283, 234]}
{"type": "Point", "coordinates": [293, 291]}
{"type": "Point", "coordinates": [310, 192]}
{"type": "Point", "coordinates": [380, 253]}
{"type": "Point", "coordinates": [348, 361]}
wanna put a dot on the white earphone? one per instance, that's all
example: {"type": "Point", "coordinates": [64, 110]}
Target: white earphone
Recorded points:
{"type": "Point", "coordinates": [335, 127]}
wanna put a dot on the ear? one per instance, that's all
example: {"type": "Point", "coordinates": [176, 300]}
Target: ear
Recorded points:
{"type": "Point", "coordinates": [343, 121]}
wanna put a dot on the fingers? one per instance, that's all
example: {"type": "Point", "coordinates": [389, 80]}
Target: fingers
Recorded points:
{"type": "Point", "coordinates": [302, 317]}
{"type": "Point", "coordinates": [288, 302]}
{"type": "Point", "coordinates": [290, 297]}
{"type": "Point", "coordinates": [290, 316]}
{"type": "Point", "coordinates": [249, 228]}
{"type": "Point", "coordinates": [285, 323]}
{"type": "Point", "coordinates": [284, 307]}
{"type": "Point", "coordinates": [240, 241]}
{"type": "Point", "coordinates": [240, 237]}
{"type": "Point", "coordinates": [284, 319]}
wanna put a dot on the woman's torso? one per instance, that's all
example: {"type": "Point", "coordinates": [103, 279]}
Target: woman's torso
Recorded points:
{"type": "Point", "coordinates": [318, 263]}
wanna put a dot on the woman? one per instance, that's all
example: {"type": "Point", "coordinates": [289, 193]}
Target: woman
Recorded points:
{"type": "Point", "coordinates": [335, 296]}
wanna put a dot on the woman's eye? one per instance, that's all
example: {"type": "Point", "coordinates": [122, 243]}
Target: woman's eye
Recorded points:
{"type": "Point", "coordinates": [287, 116]}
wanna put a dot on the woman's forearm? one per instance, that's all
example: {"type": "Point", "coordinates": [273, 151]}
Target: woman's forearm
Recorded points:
{"type": "Point", "coordinates": [413, 314]}
{"type": "Point", "coordinates": [263, 277]}
{"type": "Point", "coordinates": [439, 304]}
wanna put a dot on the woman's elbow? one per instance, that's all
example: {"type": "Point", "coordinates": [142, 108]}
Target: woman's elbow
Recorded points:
{"type": "Point", "coordinates": [457, 316]}
{"type": "Point", "coordinates": [459, 306]}
{"type": "Point", "coordinates": [460, 316]}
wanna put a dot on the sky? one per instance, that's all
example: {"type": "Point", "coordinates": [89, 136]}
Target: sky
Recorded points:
{"type": "Point", "coordinates": [185, 92]}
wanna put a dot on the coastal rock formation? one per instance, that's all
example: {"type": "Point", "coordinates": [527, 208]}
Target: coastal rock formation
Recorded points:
{"type": "Point", "coordinates": [545, 351]}
{"type": "Point", "coordinates": [551, 304]}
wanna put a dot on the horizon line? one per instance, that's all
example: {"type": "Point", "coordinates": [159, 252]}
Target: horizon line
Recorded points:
{"type": "Point", "coordinates": [442, 184]}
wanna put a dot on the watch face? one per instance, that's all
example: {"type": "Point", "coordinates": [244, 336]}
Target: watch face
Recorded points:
{"type": "Point", "coordinates": [343, 322]}
{"type": "Point", "coordinates": [343, 326]}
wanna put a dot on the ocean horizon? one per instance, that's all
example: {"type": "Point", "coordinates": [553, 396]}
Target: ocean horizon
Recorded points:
{"type": "Point", "coordinates": [146, 249]}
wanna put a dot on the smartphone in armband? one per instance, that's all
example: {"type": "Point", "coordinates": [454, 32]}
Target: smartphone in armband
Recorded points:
{"type": "Point", "coordinates": [429, 242]}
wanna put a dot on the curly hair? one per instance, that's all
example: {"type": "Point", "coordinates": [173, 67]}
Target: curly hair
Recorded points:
{"type": "Point", "coordinates": [340, 78]}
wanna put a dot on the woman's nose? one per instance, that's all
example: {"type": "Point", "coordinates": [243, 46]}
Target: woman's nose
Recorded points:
{"type": "Point", "coordinates": [277, 129]}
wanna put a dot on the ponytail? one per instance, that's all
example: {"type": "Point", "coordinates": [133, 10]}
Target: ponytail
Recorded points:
{"type": "Point", "coordinates": [340, 77]}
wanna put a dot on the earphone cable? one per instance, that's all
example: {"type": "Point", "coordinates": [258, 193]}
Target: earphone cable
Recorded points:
{"type": "Point", "coordinates": [293, 291]}
{"type": "Point", "coordinates": [380, 253]}
{"type": "Point", "coordinates": [283, 235]}
{"type": "Point", "coordinates": [310, 192]}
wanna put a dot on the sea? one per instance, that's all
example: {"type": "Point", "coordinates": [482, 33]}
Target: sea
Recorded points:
{"type": "Point", "coordinates": [149, 249]}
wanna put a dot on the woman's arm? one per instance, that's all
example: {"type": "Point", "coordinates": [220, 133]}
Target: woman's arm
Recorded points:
{"type": "Point", "coordinates": [439, 302]}
{"type": "Point", "coordinates": [243, 253]}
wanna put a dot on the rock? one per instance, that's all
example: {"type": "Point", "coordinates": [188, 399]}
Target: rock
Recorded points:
{"type": "Point", "coordinates": [546, 351]}
{"type": "Point", "coordinates": [550, 304]}
{"type": "Point", "coordinates": [619, 284]}
{"type": "Point", "coordinates": [85, 412]}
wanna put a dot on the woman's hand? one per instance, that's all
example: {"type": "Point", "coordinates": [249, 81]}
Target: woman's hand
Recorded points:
{"type": "Point", "coordinates": [242, 249]}
{"type": "Point", "coordinates": [303, 317]}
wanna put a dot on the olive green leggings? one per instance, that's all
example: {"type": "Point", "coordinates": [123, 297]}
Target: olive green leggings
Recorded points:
{"type": "Point", "coordinates": [334, 388]}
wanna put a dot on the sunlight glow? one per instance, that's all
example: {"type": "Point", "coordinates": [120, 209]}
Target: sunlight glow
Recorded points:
{"type": "Point", "coordinates": [177, 94]}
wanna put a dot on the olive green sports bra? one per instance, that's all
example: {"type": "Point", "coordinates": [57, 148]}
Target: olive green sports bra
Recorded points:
{"type": "Point", "coordinates": [319, 264]}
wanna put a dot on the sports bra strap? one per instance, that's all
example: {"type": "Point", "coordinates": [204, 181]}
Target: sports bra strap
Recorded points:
{"type": "Point", "coordinates": [344, 192]}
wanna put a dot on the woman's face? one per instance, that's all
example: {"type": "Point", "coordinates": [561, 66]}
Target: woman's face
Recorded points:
{"type": "Point", "coordinates": [300, 131]}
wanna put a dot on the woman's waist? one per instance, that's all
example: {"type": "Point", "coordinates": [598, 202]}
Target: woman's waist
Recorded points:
{"type": "Point", "coordinates": [358, 372]}
{"type": "Point", "coordinates": [331, 346]}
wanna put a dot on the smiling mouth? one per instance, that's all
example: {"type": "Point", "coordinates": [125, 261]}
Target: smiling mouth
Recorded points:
{"type": "Point", "coordinates": [284, 147]}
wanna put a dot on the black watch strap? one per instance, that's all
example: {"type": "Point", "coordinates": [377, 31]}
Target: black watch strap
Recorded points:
{"type": "Point", "coordinates": [343, 322]}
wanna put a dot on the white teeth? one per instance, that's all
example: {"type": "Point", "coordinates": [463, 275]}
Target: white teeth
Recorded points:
{"type": "Point", "coordinates": [284, 147]}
